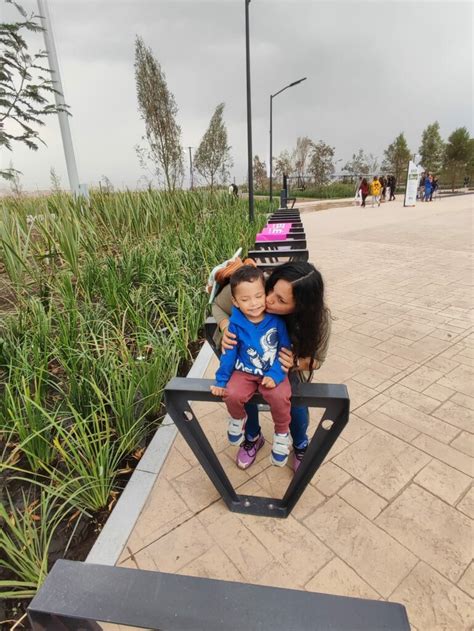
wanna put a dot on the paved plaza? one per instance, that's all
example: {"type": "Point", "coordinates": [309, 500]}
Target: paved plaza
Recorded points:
{"type": "Point", "coordinates": [389, 514]}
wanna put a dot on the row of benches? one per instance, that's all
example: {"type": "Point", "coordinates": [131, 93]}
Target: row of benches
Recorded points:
{"type": "Point", "coordinates": [269, 254]}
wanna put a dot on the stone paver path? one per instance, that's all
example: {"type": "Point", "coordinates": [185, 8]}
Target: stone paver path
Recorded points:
{"type": "Point", "coordinates": [389, 514]}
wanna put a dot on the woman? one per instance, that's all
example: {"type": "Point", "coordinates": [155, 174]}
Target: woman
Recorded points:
{"type": "Point", "coordinates": [364, 190]}
{"type": "Point", "coordinates": [296, 292]}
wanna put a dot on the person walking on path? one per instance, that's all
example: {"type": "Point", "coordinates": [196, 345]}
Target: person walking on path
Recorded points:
{"type": "Point", "coordinates": [364, 191]}
{"type": "Point", "coordinates": [383, 184]}
{"type": "Point", "coordinates": [375, 191]}
{"type": "Point", "coordinates": [428, 188]}
{"type": "Point", "coordinates": [296, 292]}
{"type": "Point", "coordinates": [393, 187]}
{"type": "Point", "coordinates": [434, 188]}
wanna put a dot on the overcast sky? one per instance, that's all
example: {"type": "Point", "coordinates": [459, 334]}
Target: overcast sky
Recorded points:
{"type": "Point", "coordinates": [374, 69]}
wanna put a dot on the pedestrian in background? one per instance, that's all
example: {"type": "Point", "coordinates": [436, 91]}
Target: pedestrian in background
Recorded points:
{"type": "Point", "coordinates": [383, 184]}
{"type": "Point", "coordinates": [421, 187]}
{"type": "Point", "coordinates": [393, 187]}
{"type": "Point", "coordinates": [364, 191]}
{"type": "Point", "coordinates": [428, 188]}
{"type": "Point", "coordinates": [375, 191]}
{"type": "Point", "coordinates": [434, 188]}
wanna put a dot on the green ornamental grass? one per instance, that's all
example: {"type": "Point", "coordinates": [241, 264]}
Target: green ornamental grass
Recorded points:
{"type": "Point", "coordinates": [109, 299]}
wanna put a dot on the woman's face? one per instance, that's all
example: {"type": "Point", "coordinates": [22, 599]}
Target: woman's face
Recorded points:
{"type": "Point", "coordinates": [280, 300]}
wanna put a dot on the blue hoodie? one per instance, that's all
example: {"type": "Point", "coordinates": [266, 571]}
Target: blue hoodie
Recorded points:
{"type": "Point", "coordinates": [256, 351]}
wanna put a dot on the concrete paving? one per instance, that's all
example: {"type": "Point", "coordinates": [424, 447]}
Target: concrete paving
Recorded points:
{"type": "Point", "coordinates": [389, 514]}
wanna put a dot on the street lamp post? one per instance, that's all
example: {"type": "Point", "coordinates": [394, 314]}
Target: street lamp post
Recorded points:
{"type": "Point", "coordinates": [272, 96]}
{"type": "Point", "coordinates": [249, 114]}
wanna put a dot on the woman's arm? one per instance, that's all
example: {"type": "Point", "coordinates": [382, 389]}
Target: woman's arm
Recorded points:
{"type": "Point", "coordinates": [221, 310]}
{"type": "Point", "coordinates": [222, 306]}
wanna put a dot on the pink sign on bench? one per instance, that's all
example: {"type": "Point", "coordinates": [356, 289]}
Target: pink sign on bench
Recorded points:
{"type": "Point", "coordinates": [274, 232]}
{"type": "Point", "coordinates": [271, 237]}
{"type": "Point", "coordinates": [285, 227]}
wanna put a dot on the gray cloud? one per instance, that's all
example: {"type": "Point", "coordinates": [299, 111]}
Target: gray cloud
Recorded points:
{"type": "Point", "coordinates": [374, 69]}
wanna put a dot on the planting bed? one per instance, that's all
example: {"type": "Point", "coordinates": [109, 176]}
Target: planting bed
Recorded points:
{"type": "Point", "coordinates": [100, 305]}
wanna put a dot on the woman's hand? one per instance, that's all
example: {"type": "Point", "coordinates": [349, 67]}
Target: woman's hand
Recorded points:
{"type": "Point", "coordinates": [218, 392]}
{"type": "Point", "coordinates": [229, 340]}
{"type": "Point", "coordinates": [287, 359]}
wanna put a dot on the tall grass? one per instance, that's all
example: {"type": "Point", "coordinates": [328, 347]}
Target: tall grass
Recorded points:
{"type": "Point", "coordinates": [110, 296]}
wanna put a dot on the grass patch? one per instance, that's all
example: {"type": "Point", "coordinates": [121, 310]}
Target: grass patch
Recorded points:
{"type": "Point", "coordinates": [109, 300]}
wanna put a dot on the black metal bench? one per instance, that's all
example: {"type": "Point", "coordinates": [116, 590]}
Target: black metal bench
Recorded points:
{"type": "Point", "coordinates": [287, 216]}
{"type": "Point", "coordinates": [294, 224]}
{"type": "Point", "coordinates": [293, 244]}
{"type": "Point", "coordinates": [77, 596]}
{"type": "Point", "coordinates": [275, 256]}
{"type": "Point", "coordinates": [284, 201]}
{"type": "Point", "coordinates": [334, 399]}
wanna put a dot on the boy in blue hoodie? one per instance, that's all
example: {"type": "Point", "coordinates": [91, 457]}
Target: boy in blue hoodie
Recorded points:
{"type": "Point", "coordinates": [253, 363]}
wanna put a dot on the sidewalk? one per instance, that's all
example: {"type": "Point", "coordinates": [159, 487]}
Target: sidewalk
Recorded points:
{"type": "Point", "coordinates": [389, 514]}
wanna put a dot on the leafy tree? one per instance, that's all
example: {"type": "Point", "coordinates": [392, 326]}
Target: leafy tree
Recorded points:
{"type": "Point", "coordinates": [396, 157]}
{"type": "Point", "coordinates": [16, 187]}
{"type": "Point", "coordinates": [260, 174]}
{"type": "Point", "coordinates": [432, 148]}
{"type": "Point", "coordinates": [321, 163]}
{"type": "Point", "coordinates": [283, 164]}
{"type": "Point", "coordinates": [458, 155]}
{"type": "Point", "coordinates": [55, 180]}
{"type": "Point", "coordinates": [470, 166]}
{"type": "Point", "coordinates": [301, 155]}
{"type": "Point", "coordinates": [212, 158]}
{"type": "Point", "coordinates": [361, 164]}
{"type": "Point", "coordinates": [24, 90]}
{"type": "Point", "coordinates": [106, 185]}
{"type": "Point", "coordinates": [158, 109]}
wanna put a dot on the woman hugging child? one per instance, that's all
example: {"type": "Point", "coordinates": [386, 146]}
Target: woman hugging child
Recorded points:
{"type": "Point", "coordinates": [252, 364]}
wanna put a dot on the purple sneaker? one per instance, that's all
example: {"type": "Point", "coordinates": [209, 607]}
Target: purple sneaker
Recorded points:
{"type": "Point", "coordinates": [248, 451]}
{"type": "Point", "coordinates": [298, 455]}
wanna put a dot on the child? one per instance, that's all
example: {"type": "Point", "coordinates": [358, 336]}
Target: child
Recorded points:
{"type": "Point", "coordinates": [253, 363]}
{"type": "Point", "coordinates": [375, 191]}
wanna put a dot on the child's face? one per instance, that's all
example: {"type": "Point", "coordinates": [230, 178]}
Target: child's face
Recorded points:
{"type": "Point", "coordinates": [250, 299]}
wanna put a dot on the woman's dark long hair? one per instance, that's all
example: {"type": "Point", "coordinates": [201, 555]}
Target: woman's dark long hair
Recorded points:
{"type": "Point", "coordinates": [308, 324]}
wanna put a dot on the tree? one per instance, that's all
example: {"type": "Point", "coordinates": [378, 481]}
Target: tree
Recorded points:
{"type": "Point", "coordinates": [283, 164]}
{"type": "Point", "coordinates": [396, 157]}
{"type": "Point", "coordinates": [260, 174]}
{"type": "Point", "coordinates": [301, 154]}
{"type": "Point", "coordinates": [158, 109]}
{"type": "Point", "coordinates": [321, 164]}
{"type": "Point", "coordinates": [212, 158]}
{"type": "Point", "coordinates": [432, 148]}
{"type": "Point", "coordinates": [55, 181]}
{"type": "Point", "coordinates": [24, 90]}
{"type": "Point", "coordinates": [458, 154]}
{"type": "Point", "coordinates": [361, 164]}
{"type": "Point", "coordinates": [16, 187]}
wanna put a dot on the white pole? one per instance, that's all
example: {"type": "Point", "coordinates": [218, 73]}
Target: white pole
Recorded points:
{"type": "Point", "coordinates": [59, 98]}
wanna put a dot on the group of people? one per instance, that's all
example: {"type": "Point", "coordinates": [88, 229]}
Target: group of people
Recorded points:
{"type": "Point", "coordinates": [275, 332]}
{"type": "Point", "coordinates": [382, 189]}
{"type": "Point", "coordinates": [428, 187]}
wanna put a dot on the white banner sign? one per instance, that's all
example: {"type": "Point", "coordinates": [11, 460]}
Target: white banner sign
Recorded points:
{"type": "Point", "coordinates": [412, 184]}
